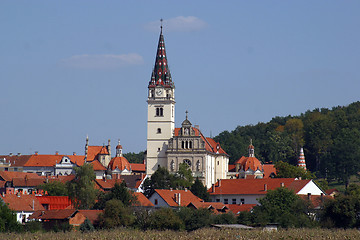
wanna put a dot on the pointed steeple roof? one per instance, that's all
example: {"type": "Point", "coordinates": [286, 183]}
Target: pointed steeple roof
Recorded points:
{"type": "Point", "coordinates": [161, 73]}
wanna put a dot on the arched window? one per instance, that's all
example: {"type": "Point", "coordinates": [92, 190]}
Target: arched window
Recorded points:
{"type": "Point", "coordinates": [190, 144]}
{"type": "Point", "coordinates": [159, 130]}
{"type": "Point", "coordinates": [157, 111]}
{"type": "Point", "coordinates": [182, 145]}
{"type": "Point", "coordinates": [188, 162]}
{"type": "Point", "coordinates": [161, 112]}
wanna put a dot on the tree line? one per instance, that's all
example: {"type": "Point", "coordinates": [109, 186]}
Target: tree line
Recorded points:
{"type": "Point", "coordinates": [330, 138]}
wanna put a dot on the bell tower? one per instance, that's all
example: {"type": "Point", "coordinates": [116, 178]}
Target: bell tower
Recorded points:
{"type": "Point", "coordinates": [161, 110]}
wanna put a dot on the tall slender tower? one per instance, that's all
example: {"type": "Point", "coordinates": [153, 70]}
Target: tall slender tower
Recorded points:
{"type": "Point", "coordinates": [301, 160]}
{"type": "Point", "coordinates": [161, 111]}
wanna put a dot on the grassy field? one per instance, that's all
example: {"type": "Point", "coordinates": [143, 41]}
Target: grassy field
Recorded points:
{"type": "Point", "coordinates": [209, 233]}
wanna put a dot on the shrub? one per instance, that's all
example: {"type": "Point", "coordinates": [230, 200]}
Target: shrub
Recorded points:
{"type": "Point", "coordinates": [165, 218]}
{"type": "Point", "coordinates": [33, 226]}
{"type": "Point", "coordinates": [194, 218]}
{"type": "Point", "coordinates": [86, 226]}
{"type": "Point", "coordinates": [225, 218]}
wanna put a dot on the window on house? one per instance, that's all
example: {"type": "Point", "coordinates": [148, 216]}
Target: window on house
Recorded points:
{"type": "Point", "coordinates": [190, 144]}
{"type": "Point", "coordinates": [217, 200]}
{"type": "Point", "coordinates": [158, 149]}
{"type": "Point", "coordinates": [226, 201]}
{"type": "Point", "coordinates": [156, 202]}
{"type": "Point", "coordinates": [242, 201]}
{"type": "Point", "coordinates": [182, 144]}
{"type": "Point", "coordinates": [234, 201]}
{"type": "Point", "coordinates": [218, 162]}
{"type": "Point", "coordinates": [159, 130]}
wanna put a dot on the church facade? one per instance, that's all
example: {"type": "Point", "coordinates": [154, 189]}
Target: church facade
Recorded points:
{"type": "Point", "coordinates": [168, 146]}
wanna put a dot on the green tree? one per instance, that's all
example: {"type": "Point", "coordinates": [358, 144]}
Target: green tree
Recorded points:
{"type": "Point", "coordinates": [346, 154]}
{"type": "Point", "coordinates": [199, 190]}
{"type": "Point", "coordinates": [225, 218]}
{"type": "Point", "coordinates": [341, 212]}
{"type": "Point", "coordinates": [135, 157]}
{"type": "Point", "coordinates": [160, 179]}
{"type": "Point", "coordinates": [183, 177]}
{"type": "Point", "coordinates": [166, 218]}
{"type": "Point", "coordinates": [55, 188]}
{"type": "Point", "coordinates": [8, 222]}
{"type": "Point", "coordinates": [119, 192]}
{"type": "Point", "coordinates": [295, 129]}
{"type": "Point", "coordinates": [282, 206]}
{"type": "Point", "coordinates": [194, 218]}
{"type": "Point", "coordinates": [116, 215]}
{"type": "Point", "coordinates": [81, 190]}
{"type": "Point", "coordinates": [286, 170]}
{"type": "Point", "coordinates": [87, 226]}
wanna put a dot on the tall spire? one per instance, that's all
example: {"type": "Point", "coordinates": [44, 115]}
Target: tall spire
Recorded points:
{"type": "Point", "coordinates": [301, 161]}
{"type": "Point", "coordinates": [161, 73]}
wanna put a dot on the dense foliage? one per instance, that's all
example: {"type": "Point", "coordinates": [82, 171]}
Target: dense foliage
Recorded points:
{"type": "Point", "coordinates": [135, 157]}
{"type": "Point", "coordinates": [331, 141]}
{"type": "Point", "coordinates": [8, 221]}
{"type": "Point", "coordinates": [163, 179]}
{"type": "Point", "coordinates": [55, 188]}
{"type": "Point", "coordinates": [281, 206]}
{"type": "Point", "coordinates": [81, 190]}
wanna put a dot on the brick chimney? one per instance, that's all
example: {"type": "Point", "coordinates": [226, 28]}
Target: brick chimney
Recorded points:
{"type": "Point", "coordinates": [309, 196]}
{"type": "Point", "coordinates": [213, 187]}
{"type": "Point", "coordinates": [265, 187]}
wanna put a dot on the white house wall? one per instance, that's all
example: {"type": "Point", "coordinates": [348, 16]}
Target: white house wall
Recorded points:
{"type": "Point", "coordinates": [312, 188]}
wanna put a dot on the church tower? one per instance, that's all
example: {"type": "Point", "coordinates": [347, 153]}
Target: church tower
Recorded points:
{"type": "Point", "coordinates": [161, 111]}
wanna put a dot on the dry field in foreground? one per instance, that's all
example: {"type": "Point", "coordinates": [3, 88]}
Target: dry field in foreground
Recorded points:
{"type": "Point", "coordinates": [209, 233]}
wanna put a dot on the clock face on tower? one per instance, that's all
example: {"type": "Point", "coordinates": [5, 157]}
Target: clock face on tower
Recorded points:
{"type": "Point", "coordinates": [158, 92]}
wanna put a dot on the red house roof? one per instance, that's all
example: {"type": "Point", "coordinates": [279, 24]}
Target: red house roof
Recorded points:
{"type": "Point", "coordinates": [255, 186]}
{"type": "Point", "coordinates": [142, 200]}
{"type": "Point", "coordinates": [55, 202]}
{"type": "Point", "coordinates": [93, 151]}
{"type": "Point", "coordinates": [27, 203]}
{"type": "Point", "coordinates": [237, 208]}
{"type": "Point", "coordinates": [169, 196]}
{"type": "Point", "coordinates": [137, 167]}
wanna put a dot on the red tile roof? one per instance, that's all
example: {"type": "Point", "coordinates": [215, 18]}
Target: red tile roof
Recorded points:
{"type": "Point", "coordinates": [93, 151]}
{"type": "Point", "coordinates": [237, 208]}
{"type": "Point", "coordinates": [97, 166]}
{"type": "Point", "coordinates": [15, 160]}
{"type": "Point", "coordinates": [50, 160]}
{"type": "Point", "coordinates": [137, 167]}
{"type": "Point", "coordinates": [210, 144]}
{"type": "Point", "coordinates": [22, 202]}
{"type": "Point", "coordinates": [217, 207]}
{"type": "Point", "coordinates": [268, 170]}
{"type": "Point", "coordinates": [106, 184]}
{"type": "Point", "coordinates": [249, 162]}
{"type": "Point", "coordinates": [27, 182]}
{"type": "Point", "coordinates": [186, 197]}
{"type": "Point", "coordinates": [119, 162]}
{"type": "Point", "coordinates": [92, 215]}
{"type": "Point", "coordinates": [55, 202]}
{"type": "Point", "coordinates": [255, 186]}
{"type": "Point", "coordinates": [53, 214]}
{"type": "Point", "coordinates": [142, 200]}
{"type": "Point", "coordinates": [8, 176]}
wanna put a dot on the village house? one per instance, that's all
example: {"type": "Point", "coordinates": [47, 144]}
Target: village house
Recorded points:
{"type": "Point", "coordinates": [22, 205]}
{"type": "Point", "coordinates": [173, 198]}
{"type": "Point", "coordinates": [248, 191]}
{"type": "Point", "coordinates": [52, 218]}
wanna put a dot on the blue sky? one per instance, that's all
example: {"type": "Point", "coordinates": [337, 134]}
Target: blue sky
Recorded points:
{"type": "Point", "coordinates": [72, 68]}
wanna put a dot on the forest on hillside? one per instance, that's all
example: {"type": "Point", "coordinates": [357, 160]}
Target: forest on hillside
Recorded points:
{"type": "Point", "coordinates": [330, 138]}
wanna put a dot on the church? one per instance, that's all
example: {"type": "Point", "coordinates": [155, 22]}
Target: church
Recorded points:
{"type": "Point", "coordinates": [168, 146]}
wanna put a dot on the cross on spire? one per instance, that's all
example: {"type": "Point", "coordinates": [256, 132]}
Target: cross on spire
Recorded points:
{"type": "Point", "coordinates": [161, 23]}
{"type": "Point", "coordinates": [186, 112]}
